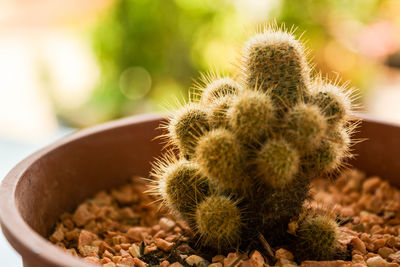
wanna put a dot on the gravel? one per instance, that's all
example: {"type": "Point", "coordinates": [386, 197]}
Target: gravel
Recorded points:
{"type": "Point", "coordinates": [123, 227]}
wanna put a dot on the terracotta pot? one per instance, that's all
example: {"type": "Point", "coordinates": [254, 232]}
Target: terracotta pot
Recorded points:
{"type": "Point", "coordinates": [57, 178]}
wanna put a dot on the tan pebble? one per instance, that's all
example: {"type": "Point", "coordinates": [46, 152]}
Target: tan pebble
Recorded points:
{"type": "Point", "coordinates": [326, 264]}
{"type": "Point", "coordinates": [394, 241]}
{"type": "Point", "coordinates": [358, 245]}
{"type": "Point", "coordinates": [218, 258]}
{"type": "Point", "coordinates": [358, 259]}
{"type": "Point", "coordinates": [185, 249]}
{"type": "Point", "coordinates": [86, 238]}
{"type": "Point", "coordinates": [116, 259]}
{"type": "Point", "coordinates": [231, 258]}
{"type": "Point", "coordinates": [183, 256]}
{"type": "Point", "coordinates": [347, 212]}
{"type": "Point", "coordinates": [256, 259]}
{"type": "Point", "coordinates": [371, 184]}
{"type": "Point", "coordinates": [177, 230]}
{"type": "Point", "coordinates": [105, 260]}
{"type": "Point", "coordinates": [126, 262]}
{"type": "Point", "coordinates": [215, 264]}
{"type": "Point", "coordinates": [116, 240]}
{"type": "Point", "coordinates": [284, 254]}
{"type": "Point", "coordinates": [176, 264]}
{"type": "Point", "coordinates": [107, 254]}
{"type": "Point", "coordinates": [194, 260]}
{"type": "Point", "coordinates": [370, 255]}
{"type": "Point", "coordinates": [110, 264]}
{"type": "Point", "coordinates": [379, 243]}
{"type": "Point", "coordinates": [92, 259]}
{"type": "Point", "coordinates": [377, 261]}
{"type": "Point", "coordinates": [124, 253]}
{"type": "Point", "coordinates": [137, 234]}
{"type": "Point", "coordinates": [58, 234]}
{"type": "Point", "coordinates": [171, 238]}
{"type": "Point", "coordinates": [150, 248]}
{"type": "Point", "coordinates": [125, 195]}
{"type": "Point", "coordinates": [139, 263]}
{"type": "Point", "coordinates": [164, 245]}
{"type": "Point", "coordinates": [89, 251]}
{"type": "Point", "coordinates": [117, 247]}
{"type": "Point", "coordinates": [385, 252]}
{"type": "Point", "coordinates": [160, 234]}
{"type": "Point", "coordinates": [125, 246]}
{"type": "Point", "coordinates": [82, 215]}
{"type": "Point", "coordinates": [155, 229]}
{"type": "Point", "coordinates": [164, 264]}
{"type": "Point", "coordinates": [134, 250]}
{"type": "Point", "coordinates": [166, 224]}
{"type": "Point", "coordinates": [376, 229]}
{"type": "Point", "coordinates": [72, 235]}
{"type": "Point", "coordinates": [359, 265]}
{"type": "Point", "coordinates": [395, 257]}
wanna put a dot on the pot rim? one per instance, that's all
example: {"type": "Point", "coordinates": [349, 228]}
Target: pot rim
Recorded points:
{"type": "Point", "coordinates": [22, 237]}
{"type": "Point", "coordinates": [18, 233]}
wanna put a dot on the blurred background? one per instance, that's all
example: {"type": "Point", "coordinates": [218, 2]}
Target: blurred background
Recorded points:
{"type": "Point", "coordinates": [69, 64]}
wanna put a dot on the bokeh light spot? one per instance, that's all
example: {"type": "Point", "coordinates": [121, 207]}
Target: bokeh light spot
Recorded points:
{"type": "Point", "coordinates": [135, 82]}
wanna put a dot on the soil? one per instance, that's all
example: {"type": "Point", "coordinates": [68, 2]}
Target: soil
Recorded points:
{"type": "Point", "coordinates": [125, 227]}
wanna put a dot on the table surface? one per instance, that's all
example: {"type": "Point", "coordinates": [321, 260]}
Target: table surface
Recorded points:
{"type": "Point", "coordinates": [11, 152]}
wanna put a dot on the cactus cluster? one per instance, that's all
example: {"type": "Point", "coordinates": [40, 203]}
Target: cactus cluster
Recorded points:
{"type": "Point", "coordinates": [248, 149]}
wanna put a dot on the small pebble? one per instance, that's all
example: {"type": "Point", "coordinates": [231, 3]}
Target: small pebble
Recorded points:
{"type": "Point", "coordinates": [385, 252]}
{"type": "Point", "coordinates": [134, 250]}
{"type": "Point", "coordinates": [166, 224]}
{"type": "Point", "coordinates": [358, 245]}
{"type": "Point", "coordinates": [218, 258]}
{"type": "Point", "coordinates": [194, 260]}
{"type": "Point", "coordinates": [284, 254]}
{"type": "Point", "coordinates": [256, 260]}
{"type": "Point", "coordinates": [377, 261]}
{"type": "Point", "coordinates": [176, 264]}
{"type": "Point", "coordinates": [139, 263]}
{"type": "Point", "coordinates": [230, 259]}
{"type": "Point", "coordinates": [150, 248]}
{"type": "Point", "coordinates": [164, 264]}
{"type": "Point", "coordinates": [395, 257]}
{"type": "Point", "coordinates": [326, 264]}
{"type": "Point", "coordinates": [164, 245]}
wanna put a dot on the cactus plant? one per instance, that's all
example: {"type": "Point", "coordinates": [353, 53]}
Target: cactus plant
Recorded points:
{"type": "Point", "coordinates": [317, 236]}
{"type": "Point", "coordinates": [251, 148]}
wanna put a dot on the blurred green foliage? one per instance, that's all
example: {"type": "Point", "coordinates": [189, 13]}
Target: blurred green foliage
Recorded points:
{"type": "Point", "coordinates": [149, 51]}
{"type": "Point", "coordinates": [160, 44]}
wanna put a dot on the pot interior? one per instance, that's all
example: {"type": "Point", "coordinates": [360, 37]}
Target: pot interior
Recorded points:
{"type": "Point", "coordinates": [64, 174]}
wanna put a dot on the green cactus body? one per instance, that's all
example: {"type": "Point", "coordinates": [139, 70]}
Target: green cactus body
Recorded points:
{"type": "Point", "coordinates": [218, 222]}
{"type": "Point", "coordinates": [181, 186]}
{"type": "Point", "coordinates": [218, 112]}
{"type": "Point", "coordinates": [219, 88]}
{"type": "Point", "coordinates": [277, 163]}
{"type": "Point", "coordinates": [317, 236]}
{"type": "Point", "coordinates": [275, 61]}
{"type": "Point", "coordinates": [334, 104]}
{"type": "Point", "coordinates": [250, 115]}
{"type": "Point", "coordinates": [249, 151]}
{"type": "Point", "coordinates": [220, 157]}
{"type": "Point", "coordinates": [306, 126]}
{"type": "Point", "coordinates": [186, 126]}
